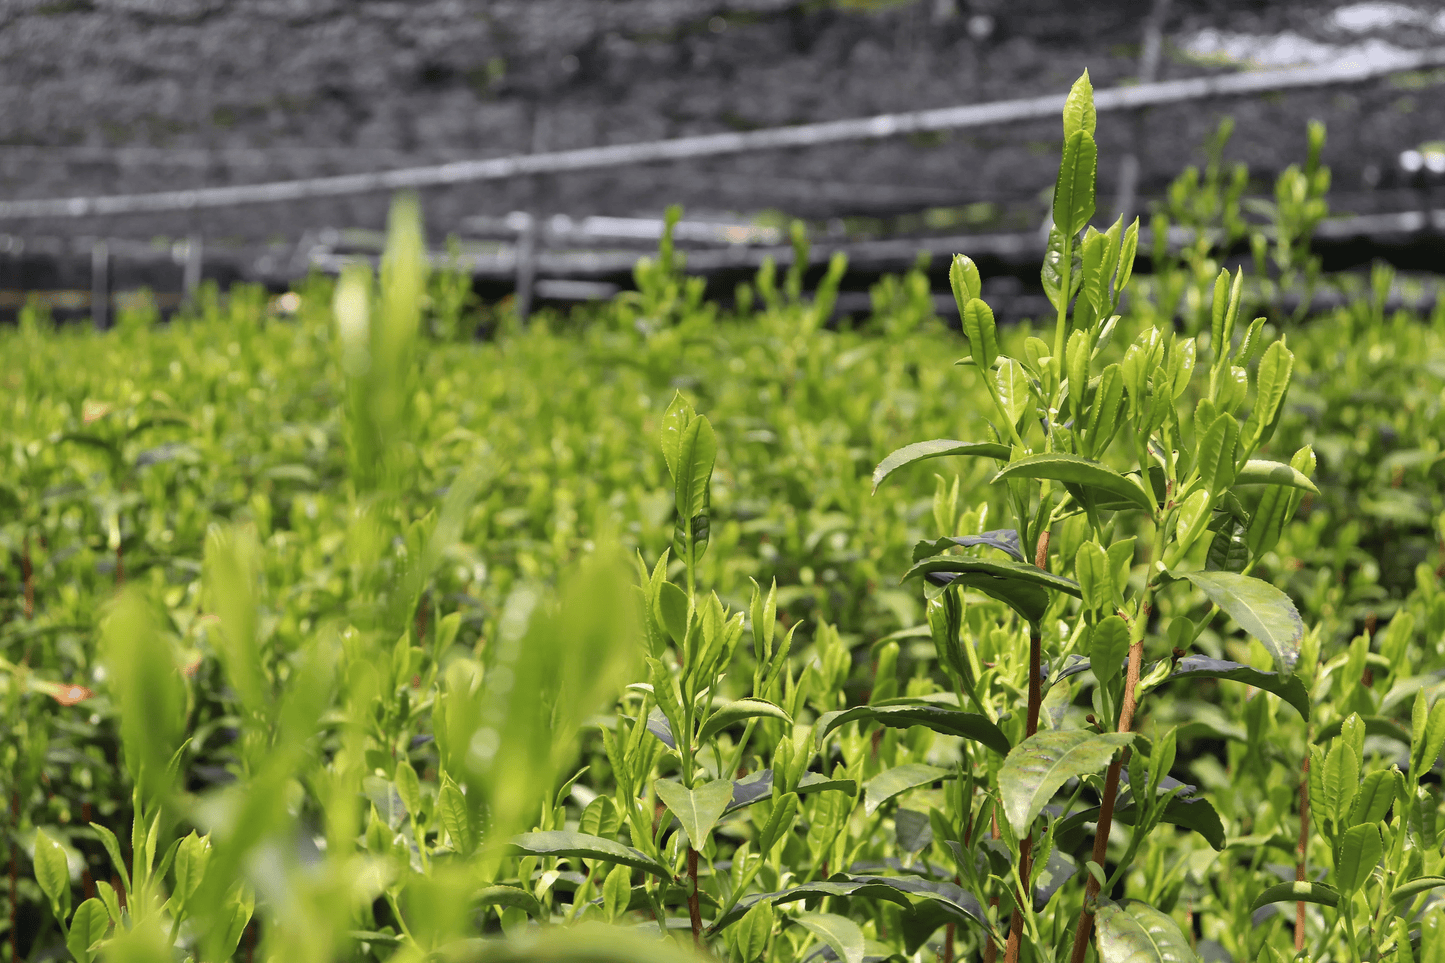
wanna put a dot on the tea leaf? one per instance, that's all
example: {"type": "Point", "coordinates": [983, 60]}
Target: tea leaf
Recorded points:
{"type": "Point", "coordinates": [1135, 932]}
{"type": "Point", "coordinates": [982, 334]}
{"type": "Point", "coordinates": [699, 808]}
{"type": "Point", "coordinates": [994, 568]}
{"type": "Point", "coordinates": [515, 896]}
{"type": "Point", "coordinates": [841, 934]}
{"type": "Point", "coordinates": [1360, 850]}
{"type": "Point", "coordinates": [1297, 892]}
{"type": "Point", "coordinates": [1074, 190]}
{"type": "Point", "coordinates": [52, 872]}
{"type": "Point", "coordinates": [1006, 540]}
{"type": "Point", "coordinates": [1108, 645]}
{"type": "Point", "coordinates": [1079, 112]}
{"type": "Point", "coordinates": [964, 279]}
{"type": "Point", "coordinates": [898, 780]}
{"type": "Point", "coordinates": [737, 711]}
{"type": "Point", "coordinates": [1287, 687]}
{"type": "Point", "coordinates": [1260, 471]}
{"type": "Point", "coordinates": [938, 448]}
{"type": "Point", "coordinates": [1084, 472]}
{"type": "Point", "coordinates": [750, 934]}
{"type": "Point", "coordinates": [949, 722]}
{"type": "Point", "coordinates": [1013, 388]}
{"type": "Point", "coordinates": [112, 848]}
{"type": "Point", "coordinates": [563, 843]}
{"type": "Point", "coordinates": [1406, 892]}
{"type": "Point", "coordinates": [86, 929]}
{"type": "Point", "coordinates": [1260, 609]}
{"type": "Point", "coordinates": [452, 806]}
{"type": "Point", "coordinates": [1036, 768]}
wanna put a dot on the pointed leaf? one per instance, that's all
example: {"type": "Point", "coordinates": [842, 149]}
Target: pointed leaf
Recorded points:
{"type": "Point", "coordinates": [839, 932]}
{"type": "Point", "coordinates": [994, 568]}
{"type": "Point", "coordinates": [1084, 472]}
{"type": "Point", "coordinates": [982, 333]}
{"type": "Point", "coordinates": [1013, 388]}
{"type": "Point", "coordinates": [1406, 892]}
{"type": "Point", "coordinates": [937, 448]}
{"type": "Point", "coordinates": [699, 808]}
{"type": "Point", "coordinates": [949, 722]}
{"type": "Point", "coordinates": [511, 897]}
{"type": "Point", "coordinates": [1287, 687]}
{"type": "Point", "coordinates": [1135, 932]}
{"type": "Point", "coordinates": [1074, 190]}
{"type": "Point", "coordinates": [738, 711]}
{"type": "Point", "coordinates": [86, 929]}
{"type": "Point", "coordinates": [1261, 471]}
{"type": "Point", "coordinates": [1297, 892]}
{"type": "Point", "coordinates": [898, 780]}
{"type": "Point", "coordinates": [561, 843]}
{"type": "Point", "coordinates": [1360, 850]}
{"type": "Point", "coordinates": [52, 872]}
{"type": "Point", "coordinates": [1260, 609]}
{"type": "Point", "coordinates": [1038, 766]}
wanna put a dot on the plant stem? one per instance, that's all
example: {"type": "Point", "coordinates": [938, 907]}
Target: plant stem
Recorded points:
{"type": "Point", "coordinates": [694, 909]}
{"type": "Point", "coordinates": [1304, 838]}
{"type": "Point", "coordinates": [990, 949]}
{"type": "Point", "coordinates": [1031, 726]}
{"type": "Point", "coordinates": [1111, 792]}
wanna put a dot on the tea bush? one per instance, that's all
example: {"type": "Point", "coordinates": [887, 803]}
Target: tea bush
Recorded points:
{"type": "Point", "coordinates": [328, 635]}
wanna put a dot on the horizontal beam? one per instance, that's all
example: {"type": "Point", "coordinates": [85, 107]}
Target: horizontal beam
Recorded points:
{"type": "Point", "coordinates": [717, 145]}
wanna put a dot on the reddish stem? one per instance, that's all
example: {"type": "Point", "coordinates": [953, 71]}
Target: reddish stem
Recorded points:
{"type": "Point", "coordinates": [1106, 807]}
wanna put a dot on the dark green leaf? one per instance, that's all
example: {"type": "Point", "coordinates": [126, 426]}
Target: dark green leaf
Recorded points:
{"type": "Point", "coordinates": [938, 448]}
{"type": "Point", "coordinates": [950, 722]}
{"type": "Point", "coordinates": [1229, 549]}
{"type": "Point", "coordinates": [1287, 687]}
{"type": "Point", "coordinates": [994, 568]}
{"type": "Point", "coordinates": [561, 843]}
{"type": "Point", "coordinates": [1084, 472]}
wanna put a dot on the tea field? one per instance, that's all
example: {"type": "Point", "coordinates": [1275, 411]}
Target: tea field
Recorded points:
{"type": "Point", "coordinates": [328, 633]}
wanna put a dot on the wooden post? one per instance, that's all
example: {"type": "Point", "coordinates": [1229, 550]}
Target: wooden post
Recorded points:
{"type": "Point", "coordinates": [191, 273]}
{"type": "Point", "coordinates": [526, 276]}
{"type": "Point", "coordinates": [531, 237]}
{"type": "Point", "coordinates": [1148, 73]}
{"type": "Point", "coordinates": [100, 285]}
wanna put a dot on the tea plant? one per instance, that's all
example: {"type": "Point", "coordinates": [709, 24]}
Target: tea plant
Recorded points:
{"type": "Point", "coordinates": [325, 645]}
